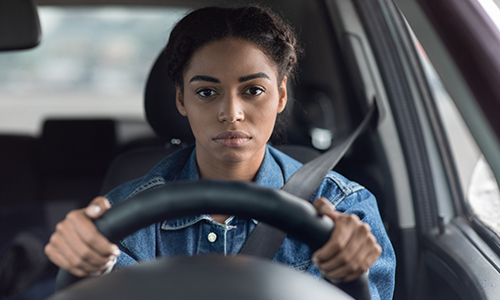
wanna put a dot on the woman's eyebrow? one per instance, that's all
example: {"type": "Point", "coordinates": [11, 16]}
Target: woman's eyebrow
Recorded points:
{"type": "Point", "coordinates": [254, 76]}
{"type": "Point", "coordinates": [241, 79]}
{"type": "Point", "coordinates": [204, 78]}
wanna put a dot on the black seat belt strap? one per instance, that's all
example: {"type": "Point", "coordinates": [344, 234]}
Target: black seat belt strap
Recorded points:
{"type": "Point", "coordinates": [264, 240]}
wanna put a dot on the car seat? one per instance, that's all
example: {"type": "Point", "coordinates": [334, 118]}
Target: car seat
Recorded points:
{"type": "Point", "coordinates": [20, 207]}
{"type": "Point", "coordinates": [172, 128]}
{"type": "Point", "coordinates": [18, 170]}
{"type": "Point", "coordinates": [74, 156]}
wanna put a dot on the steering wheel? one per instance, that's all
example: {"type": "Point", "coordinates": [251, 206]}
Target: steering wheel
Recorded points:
{"type": "Point", "coordinates": [277, 208]}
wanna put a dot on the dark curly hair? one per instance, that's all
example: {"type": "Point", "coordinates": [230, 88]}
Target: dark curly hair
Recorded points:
{"type": "Point", "coordinates": [259, 25]}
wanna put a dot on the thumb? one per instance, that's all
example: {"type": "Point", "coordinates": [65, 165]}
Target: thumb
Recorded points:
{"type": "Point", "coordinates": [324, 207]}
{"type": "Point", "coordinates": [97, 207]}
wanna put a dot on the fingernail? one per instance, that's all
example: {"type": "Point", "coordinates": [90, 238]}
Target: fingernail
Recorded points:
{"type": "Point", "coordinates": [116, 252]}
{"type": "Point", "coordinates": [96, 273]}
{"type": "Point", "coordinates": [93, 209]}
{"type": "Point", "coordinates": [324, 210]}
{"type": "Point", "coordinates": [106, 203]}
{"type": "Point", "coordinates": [315, 261]}
{"type": "Point", "coordinates": [332, 280]}
{"type": "Point", "coordinates": [109, 263]}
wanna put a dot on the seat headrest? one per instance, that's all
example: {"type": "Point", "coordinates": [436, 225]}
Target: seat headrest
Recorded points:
{"type": "Point", "coordinates": [161, 111]}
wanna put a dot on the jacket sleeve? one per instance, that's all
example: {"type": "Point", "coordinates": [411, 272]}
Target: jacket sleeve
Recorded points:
{"type": "Point", "coordinates": [352, 198]}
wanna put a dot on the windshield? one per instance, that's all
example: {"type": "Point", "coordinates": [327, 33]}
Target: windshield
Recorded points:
{"type": "Point", "coordinates": [492, 9]}
{"type": "Point", "coordinates": [92, 62]}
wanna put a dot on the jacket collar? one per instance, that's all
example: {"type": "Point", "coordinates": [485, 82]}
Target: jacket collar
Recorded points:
{"type": "Point", "coordinates": [270, 175]}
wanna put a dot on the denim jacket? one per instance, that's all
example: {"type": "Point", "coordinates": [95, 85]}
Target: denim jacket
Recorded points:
{"type": "Point", "coordinates": [200, 234]}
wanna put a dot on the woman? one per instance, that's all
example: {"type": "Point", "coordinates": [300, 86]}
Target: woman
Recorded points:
{"type": "Point", "coordinates": [230, 68]}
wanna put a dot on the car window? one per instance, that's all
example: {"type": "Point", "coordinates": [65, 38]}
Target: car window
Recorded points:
{"type": "Point", "coordinates": [492, 8]}
{"type": "Point", "coordinates": [92, 62]}
{"type": "Point", "coordinates": [479, 186]}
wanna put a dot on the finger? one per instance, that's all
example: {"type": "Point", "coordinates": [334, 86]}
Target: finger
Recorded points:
{"type": "Point", "coordinates": [353, 236]}
{"type": "Point", "coordinates": [352, 270]}
{"type": "Point", "coordinates": [97, 207]}
{"type": "Point", "coordinates": [60, 254]}
{"type": "Point", "coordinates": [90, 236]}
{"type": "Point", "coordinates": [346, 277]}
{"type": "Point", "coordinates": [341, 235]}
{"type": "Point", "coordinates": [324, 207]}
{"type": "Point", "coordinates": [358, 256]}
{"type": "Point", "coordinates": [68, 258]}
{"type": "Point", "coordinates": [343, 259]}
{"type": "Point", "coordinates": [81, 249]}
{"type": "Point", "coordinates": [345, 265]}
{"type": "Point", "coordinates": [368, 262]}
{"type": "Point", "coordinates": [59, 260]}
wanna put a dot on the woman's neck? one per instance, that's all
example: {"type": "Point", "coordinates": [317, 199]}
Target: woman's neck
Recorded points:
{"type": "Point", "coordinates": [240, 171]}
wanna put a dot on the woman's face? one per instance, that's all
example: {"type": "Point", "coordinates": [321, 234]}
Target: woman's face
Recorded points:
{"type": "Point", "coordinates": [231, 97]}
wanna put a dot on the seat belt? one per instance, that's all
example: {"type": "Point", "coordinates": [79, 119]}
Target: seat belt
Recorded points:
{"type": "Point", "coordinates": [264, 240]}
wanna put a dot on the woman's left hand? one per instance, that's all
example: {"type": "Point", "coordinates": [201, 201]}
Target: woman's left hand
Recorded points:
{"type": "Point", "coordinates": [352, 248]}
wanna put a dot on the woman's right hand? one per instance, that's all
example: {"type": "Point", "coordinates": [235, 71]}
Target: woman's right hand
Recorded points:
{"type": "Point", "coordinates": [77, 247]}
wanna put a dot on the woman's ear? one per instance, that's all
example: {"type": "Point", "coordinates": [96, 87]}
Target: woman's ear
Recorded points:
{"type": "Point", "coordinates": [283, 95]}
{"type": "Point", "coordinates": [179, 100]}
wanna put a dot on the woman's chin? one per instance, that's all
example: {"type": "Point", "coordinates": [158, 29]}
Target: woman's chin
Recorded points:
{"type": "Point", "coordinates": [231, 155]}
{"type": "Point", "coordinates": [238, 155]}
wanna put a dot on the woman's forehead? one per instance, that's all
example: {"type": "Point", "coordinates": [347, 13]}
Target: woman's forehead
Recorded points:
{"type": "Point", "coordinates": [231, 57]}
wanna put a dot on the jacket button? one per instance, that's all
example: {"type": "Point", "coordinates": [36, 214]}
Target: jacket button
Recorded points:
{"type": "Point", "coordinates": [212, 237]}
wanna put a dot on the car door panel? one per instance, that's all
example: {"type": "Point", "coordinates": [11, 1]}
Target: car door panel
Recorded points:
{"type": "Point", "coordinates": [451, 260]}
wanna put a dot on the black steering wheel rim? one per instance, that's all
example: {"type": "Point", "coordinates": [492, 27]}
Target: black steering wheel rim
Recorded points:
{"type": "Point", "coordinates": [277, 208]}
{"type": "Point", "coordinates": [243, 199]}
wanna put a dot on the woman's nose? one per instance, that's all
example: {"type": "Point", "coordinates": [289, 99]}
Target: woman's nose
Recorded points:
{"type": "Point", "coordinates": [231, 110]}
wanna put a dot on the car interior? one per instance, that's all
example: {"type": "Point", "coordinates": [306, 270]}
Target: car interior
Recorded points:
{"type": "Point", "coordinates": [73, 160]}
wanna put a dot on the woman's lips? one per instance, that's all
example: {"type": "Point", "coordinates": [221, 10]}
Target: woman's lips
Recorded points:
{"type": "Point", "coordinates": [232, 139]}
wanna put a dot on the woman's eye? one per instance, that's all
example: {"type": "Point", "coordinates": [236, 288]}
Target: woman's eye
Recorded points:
{"type": "Point", "coordinates": [205, 93]}
{"type": "Point", "coordinates": [254, 91]}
